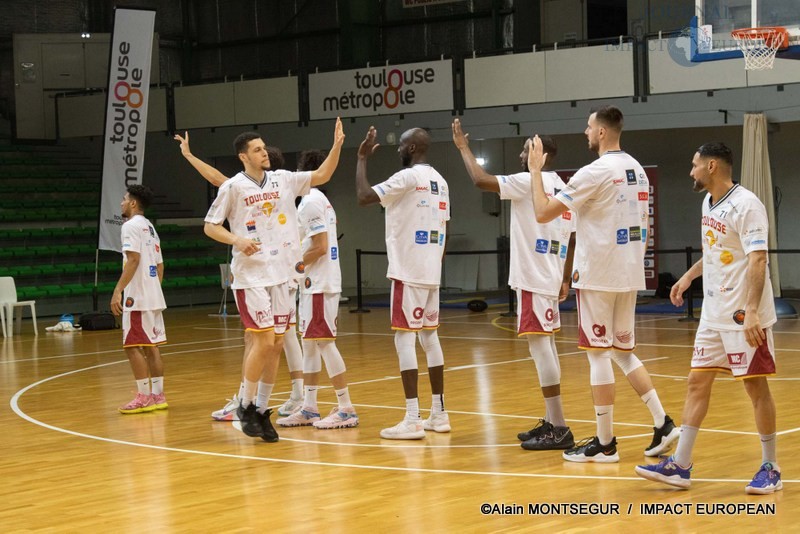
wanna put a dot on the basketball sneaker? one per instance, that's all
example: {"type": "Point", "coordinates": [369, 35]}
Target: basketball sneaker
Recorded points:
{"type": "Point", "coordinates": [557, 438]}
{"type": "Point", "coordinates": [338, 419]}
{"type": "Point", "coordinates": [405, 429]}
{"type": "Point", "coordinates": [289, 407]}
{"type": "Point", "coordinates": [270, 435]}
{"type": "Point", "coordinates": [251, 420]}
{"type": "Point", "coordinates": [437, 422]}
{"type": "Point", "coordinates": [663, 438]}
{"type": "Point", "coordinates": [228, 413]}
{"type": "Point", "coordinates": [541, 427]}
{"type": "Point", "coordinates": [141, 403]}
{"type": "Point", "coordinates": [590, 450]}
{"type": "Point", "coordinates": [299, 418]}
{"type": "Point", "coordinates": [668, 472]}
{"type": "Point", "coordinates": [766, 481]}
{"type": "Point", "coordinates": [160, 401]}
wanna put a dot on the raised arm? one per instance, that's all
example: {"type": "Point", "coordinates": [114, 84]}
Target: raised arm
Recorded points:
{"type": "Point", "coordinates": [366, 195]}
{"type": "Point", "coordinates": [546, 209]}
{"type": "Point", "coordinates": [208, 172]}
{"type": "Point", "coordinates": [480, 178]}
{"type": "Point", "coordinates": [324, 172]}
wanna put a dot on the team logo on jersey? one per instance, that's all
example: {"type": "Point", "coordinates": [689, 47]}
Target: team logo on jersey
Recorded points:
{"type": "Point", "coordinates": [624, 337]}
{"type": "Point", "coordinates": [418, 313]}
{"type": "Point", "coordinates": [251, 225]}
{"type": "Point", "coordinates": [432, 317]}
{"type": "Point", "coordinates": [737, 358]}
{"type": "Point", "coordinates": [630, 174]}
{"type": "Point", "coordinates": [334, 253]}
{"type": "Point", "coordinates": [307, 283]}
{"type": "Point", "coordinates": [643, 195]}
{"type": "Point", "coordinates": [541, 246]}
{"type": "Point", "coordinates": [711, 239]}
{"type": "Point", "coordinates": [300, 267]}
{"type": "Point", "coordinates": [725, 257]}
{"type": "Point", "coordinates": [622, 236]}
{"type": "Point", "coordinates": [575, 276]}
{"type": "Point", "coordinates": [153, 271]}
{"type": "Point", "coordinates": [434, 188]}
{"type": "Point", "coordinates": [635, 233]}
{"type": "Point", "coordinates": [599, 330]}
{"type": "Point", "coordinates": [554, 247]}
{"type": "Point", "coordinates": [129, 302]}
{"type": "Point", "coordinates": [261, 317]}
{"type": "Point", "coordinates": [738, 317]}
{"type": "Point", "coordinates": [266, 208]}
{"type": "Point", "coordinates": [282, 218]}
{"type": "Point", "coordinates": [434, 236]}
{"type": "Point", "coordinates": [421, 237]}
{"type": "Point", "coordinates": [157, 332]}
{"type": "Point", "coordinates": [548, 315]}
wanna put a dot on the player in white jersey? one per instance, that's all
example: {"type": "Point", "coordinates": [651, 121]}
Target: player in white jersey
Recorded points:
{"type": "Point", "coordinates": [536, 270]}
{"type": "Point", "coordinates": [609, 197]}
{"type": "Point", "coordinates": [138, 298]}
{"type": "Point", "coordinates": [417, 202]}
{"type": "Point", "coordinates": [735, 331]}
{"type": "Point", "coordinates": [319, 309]}
{"type": "Point", "coordinates": [257, 205]}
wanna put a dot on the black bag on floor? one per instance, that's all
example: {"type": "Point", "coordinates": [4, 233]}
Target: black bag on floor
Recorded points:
{"type": "Point", "coordinates": [98, 321]}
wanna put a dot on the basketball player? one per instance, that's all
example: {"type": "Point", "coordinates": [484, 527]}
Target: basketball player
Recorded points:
{"type": "Point", "coordinates": [257, 206]}
{"type": "Point", "coordinates": [319, 308]}
{"type": "Point", "coordinates": [735, 331]}
{"type": "Point", "coordinates": [610, 199]}
{"type": "Point", "coordinates": [417, 203]}
{"type": "Point", "coordinates": [138, 298]}
{"type": "Point", "coordinates": [538, 253]}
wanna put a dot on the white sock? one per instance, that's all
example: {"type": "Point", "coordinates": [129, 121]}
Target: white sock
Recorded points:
{"type": "Point", "coordinates": [241, 391]}
{"type": "Point", "coordinates": [262, 398]}
{"type": "Point", "coordinates": [768, 449]}
{"type": "Point", "coordinates": [653, 403]}
{"type": "Point", "coordinates": [310, 399]}
{"type": "Point", "coordinates": [683, 453]}
{"type": "Point", "coordinates": [554, 411]}
{"type": "Point", "coordinates": [157, 385]}
{"type": "Point", "coordinates": [437, 403]}
{"type": "Point", "coordinates": [143, 386]}
{"type": "Point", "coordinates": [343, 396]}
{"type": "Point", "coordinates": [412, 408]}
{"type": "Point", "coordinates": [297, 389]}
{"type": "Point", "coordinates": [249, 394]}
{"type": "Point", "coordinates": [605, 423]}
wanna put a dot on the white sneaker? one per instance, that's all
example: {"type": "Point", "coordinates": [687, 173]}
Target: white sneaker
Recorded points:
{"type": "Point", "coordinates": [437, 422]}
{"type": "Point", "coordinates": [299, 418]}
{"type": "Point", "coordinates": [405, 429]}
{"type": "Point", "coordinates": [228, 413]}
{"type": "Point", "coordinates": [338, 419]}
{"type": "Point", "coordinates": [289, 407]}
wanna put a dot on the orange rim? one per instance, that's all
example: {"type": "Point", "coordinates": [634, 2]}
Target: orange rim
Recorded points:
{"type": "Point", "coordinates": [769, 34]}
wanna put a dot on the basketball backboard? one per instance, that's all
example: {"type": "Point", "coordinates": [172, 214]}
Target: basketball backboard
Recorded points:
{"type": "Point", "coordinates": [715, 20]}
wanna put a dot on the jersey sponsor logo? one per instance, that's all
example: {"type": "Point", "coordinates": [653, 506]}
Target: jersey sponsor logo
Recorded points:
{"type": "Point", "coordinates": [261, 317]}
{"type": "Point", "coordinates": [635, 233]}
{"type": "Point", "coordinates": [317, 227]}
{"type": "Point", "coordinates": [273, 252]}
{"type": "Point", "coordinates": [568, 197]}
{"type": "Point", "coordinates": [442, 205]}
{"type": "Point", "coordinates": [153, 271]}
{"type": "Point", "coordinates": [334, 253]}
{"type": "Point", "coordinates": [441, 240]}
{"type": "Point", "coordinates": [152, 231]}
{"type": "Point", "coordinates": [282, 218]}
{"type": "Point", "coordinates": [714, 224]}
{"type": "Point", "coordinates": [599, 330]}
{"type": "Point", "coordinates": [618, 181]}
{"type": "Point", "coordinates": [434, 188]}
{"type": "Point", "coordinates": [758, 242]}
{"type": "Point", "coordinates": [262, 197]}
{"type": "Point", "coordinates": [307, 283]}
{"type": "Point", "coordinates": [575, 276]}
{"type": "Point", "coordinates": [738, 317]}
{"type": "Point", "coordinates": [622, 236]}
{"type": "Point", "coordinates": [422, 203]}
{"type": "Point", "coordinates": [503, 179]}
{"type": "Point", "coordinates": [630, 175]}
{"type": "Point", "coordinates": [625, 336]}
{"type": "Point", "coordinates": [563, 253]}
{"type": "Point", "coordinates": [251, 225]}
{"type": "Point", "coordinates": [421, 237]}
{"type": "Point", "coordinates": [541, 246]}
{"type": "Point", "coordinates": [643, 195]}
{"type": "Point", "coordinates": [725, 257]}
{"type": "Point", "coordinates": [267, 208]}
{"type": "Point", "coordinates": [381, 190]}
{"type": "Point", "coordinates": [723, 289]}
{"type": "Point", "coordinates": [158, 248]}
{"type": "Point", "coordinates": [737, 358]}
{"type": "Point", "coordinates": [422, 189]}
{"type": "Point", "coordinates": [434, 236]}
{"type": "Point", "coordinates": [300, 267]}
{"type": "Point", "coordinates": [129, 302]}
{"type": "Point", "coordinates": [567, 215]}
{"type": "Point", "coordinates": [644, 235]}
{"type": "Point", "coordinates": [287, 244]}
{"type": "Point", "coordinates": [554, 247]}
{"type": "Point", "coordinates": [418, 313]}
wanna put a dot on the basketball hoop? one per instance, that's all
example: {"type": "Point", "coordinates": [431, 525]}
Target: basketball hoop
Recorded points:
{"type": "Point", "coordinates": [759, 45]}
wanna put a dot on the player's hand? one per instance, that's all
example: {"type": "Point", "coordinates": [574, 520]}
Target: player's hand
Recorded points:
{"type": "Point", "coordinates": [116, 303]}
{"type": "Point", "coordinates": [368, 145]}
{"type": "Point", "coordinates": [184, 141]}
{"type": "Point", "coordinates": [752, 329]}
{"type": "Point", "coordinates": [460, 139]}
{"type": "Point", "coordinates": [248, 247]}
{"type": "Point", "coordinates": [338, 133]}
{"type": "Point", "coordinates": [536, 156]}
{"type": "Point", "coordinates": [677, 291]}
{"type": "Point", "coordinates": [564, 292]}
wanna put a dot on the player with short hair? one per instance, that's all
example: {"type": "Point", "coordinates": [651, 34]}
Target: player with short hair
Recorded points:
{"type": "Point", "coordinates": [610, 199]}
{"type": "Point", "coordinates": [735, 331]}
{"type": "Point", "coordinates": [417, 202]}
{"type": "Point", "coordinates": [536, 270]}
{"type": "Point", "coordinates": [139, 299]}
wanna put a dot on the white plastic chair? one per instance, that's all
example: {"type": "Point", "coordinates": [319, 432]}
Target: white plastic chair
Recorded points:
{"type": "Point", "coordinates": [9, 303]}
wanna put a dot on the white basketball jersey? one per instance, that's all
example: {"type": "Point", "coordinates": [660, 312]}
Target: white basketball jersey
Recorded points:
{"type": "Point", "coordinates": [143, 292]}
{"type": "Point", "coordinates": [316, 215]}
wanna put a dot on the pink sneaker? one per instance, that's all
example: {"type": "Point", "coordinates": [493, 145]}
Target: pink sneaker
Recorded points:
{"type": "Point", "coordinates": [338, 419]}
{"type": "Point", "coordinates": [140, 403]}
{"type": "Point", "coordinates": [159, 401]}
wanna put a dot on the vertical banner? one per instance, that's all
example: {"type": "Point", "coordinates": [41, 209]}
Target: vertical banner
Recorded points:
{"type": "Point", "coordinates": [126, 117]}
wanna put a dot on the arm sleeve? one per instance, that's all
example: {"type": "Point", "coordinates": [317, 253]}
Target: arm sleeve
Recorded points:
{"type": "Point", "coordinates": [394, 188]}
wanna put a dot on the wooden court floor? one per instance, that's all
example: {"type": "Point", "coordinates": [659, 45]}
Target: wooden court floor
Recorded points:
{"type": "Point", "coordinates": [71, 463]}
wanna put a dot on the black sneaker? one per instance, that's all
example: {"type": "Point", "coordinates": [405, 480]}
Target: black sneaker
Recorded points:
{"type": "Point", "coordinates": [663, 438]}
{"type": "Point", "coordinates": [270, 435]}
{"type": "Point", "coordinates": [541, 427]}
{"type": "Point", "coordinates": [590, 450]}
{"type": "Point", "coordinates": [557, 438]}
{"type": "Point", "coordinates": [251, 421]}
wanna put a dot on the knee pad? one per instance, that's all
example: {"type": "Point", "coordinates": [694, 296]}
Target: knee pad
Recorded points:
{"type": "Point", "coordinates": [546, 360]}
{"type": "Point", "coordinates": [601, 372]}
{"type": "Point", "coordinates": [291, 347]}
{"type": "Point", "coordinates": [405, 343]}
{"type": "Point", "coordinates": [311, 358]}
{"type": "Point", "coordinates": [333, 359]}
{"type": "Point", "coordinates": [627, 361]}
{"type": "Point", "coordinates": [429, 339]}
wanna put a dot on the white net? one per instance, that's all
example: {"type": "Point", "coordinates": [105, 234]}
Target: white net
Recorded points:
{"type": "Point", "coordinates": [759, 46]}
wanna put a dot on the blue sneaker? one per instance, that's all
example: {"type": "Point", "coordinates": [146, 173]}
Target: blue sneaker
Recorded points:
{"type": "Point", "coordinates": [668, 472]}
{"type": "Point", "coordinates": [766, 481]}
